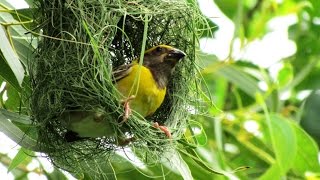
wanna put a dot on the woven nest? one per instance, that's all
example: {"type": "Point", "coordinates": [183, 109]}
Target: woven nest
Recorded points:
{"type": "Point", "coordinates": [82, 42]}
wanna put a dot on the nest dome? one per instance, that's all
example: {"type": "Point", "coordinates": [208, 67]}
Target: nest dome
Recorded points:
{"type": "Point", "coordinates": [82, 41]}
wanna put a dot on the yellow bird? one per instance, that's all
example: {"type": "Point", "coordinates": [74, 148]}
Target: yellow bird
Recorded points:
{"type": "Point", "coordinates": [142, 87]}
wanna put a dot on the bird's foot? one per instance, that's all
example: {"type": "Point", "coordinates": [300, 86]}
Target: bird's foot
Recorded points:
{"type": "Point", "coordinates": [127, 109]}
{"type": "Point", "coordinates": [163, 129]}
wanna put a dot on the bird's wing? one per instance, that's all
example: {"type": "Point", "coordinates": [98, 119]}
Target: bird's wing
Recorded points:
{"type": "Point", "coordinates": [121, 72]}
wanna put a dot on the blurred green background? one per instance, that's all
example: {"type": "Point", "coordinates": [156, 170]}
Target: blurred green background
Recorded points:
{"type": "Point", "coordinates": [260, 71]}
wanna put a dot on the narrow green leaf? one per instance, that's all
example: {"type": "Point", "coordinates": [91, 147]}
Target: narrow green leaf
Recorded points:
{"type": "Point", "coordinates": [22, 42]}
{"type": "Point", "coordinates": [24, 15]}
{"type": "Point", "coordinates": [20, 118]}
{"type": "Point", "coordinates": [30, 2]}
{"type": "Point", "coordinates": [15, 134]}
{"type": "Point", "coordinates": [7, 74]}
{"type": "Point", "coordinates": [6, 4]}
{"type": "Point", "coordinates": [176, 160]}
{"type": "Point", "coordinates": [13, 101]}
{"type": "Point", "coordinates": [10, 56]}
{"type": "Point", "coordinates": [240, 78]}
{"type": "Point", "coordinates": [20, 157]}
{"type": "Point", "coordinates": [24, 49]}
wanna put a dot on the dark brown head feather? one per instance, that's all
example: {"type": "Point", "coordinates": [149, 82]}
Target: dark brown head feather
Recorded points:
{"type": "Point", "coordinates": [161, 61]}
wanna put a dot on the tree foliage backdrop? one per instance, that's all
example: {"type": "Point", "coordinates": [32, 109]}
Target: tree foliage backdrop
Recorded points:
{"type": "Point", "coordinates": [259, 122]}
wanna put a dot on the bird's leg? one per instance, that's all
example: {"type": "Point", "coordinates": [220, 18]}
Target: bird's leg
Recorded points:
{"type": "Point", "coordinates": [163, 129]}
{"type": "Point", "coordinates": [127, 109]}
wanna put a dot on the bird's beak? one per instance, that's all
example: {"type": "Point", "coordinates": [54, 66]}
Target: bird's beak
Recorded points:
{"type": "Point", "coordinates": [176, 54]}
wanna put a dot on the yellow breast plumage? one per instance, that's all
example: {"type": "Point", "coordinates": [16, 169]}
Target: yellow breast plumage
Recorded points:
{"type": "Point", "coordinates": [141, 84]}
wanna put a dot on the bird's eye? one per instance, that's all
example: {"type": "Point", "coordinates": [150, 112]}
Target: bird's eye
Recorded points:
{"type": "Point", "coordinates": [159, 49]}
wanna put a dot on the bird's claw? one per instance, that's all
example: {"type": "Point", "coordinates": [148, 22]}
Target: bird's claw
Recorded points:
{"type": "Point", "coordinates": [163, 129]}
{"type": "Point", "coordinates": [127, 109]}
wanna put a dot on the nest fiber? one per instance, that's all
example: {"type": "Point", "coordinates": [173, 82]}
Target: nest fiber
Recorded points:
{"type": "Point", "coordinates": [81, 42]}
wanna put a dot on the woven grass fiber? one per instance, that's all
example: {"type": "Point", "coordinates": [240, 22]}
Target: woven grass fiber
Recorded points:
{"type": "Point", "coordinates": [82, 41]}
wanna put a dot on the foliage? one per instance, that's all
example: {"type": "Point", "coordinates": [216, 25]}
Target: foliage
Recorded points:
{"type": "Point", "coordinates": [282, 140]}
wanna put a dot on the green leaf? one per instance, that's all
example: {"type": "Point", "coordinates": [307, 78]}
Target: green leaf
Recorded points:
{"type": "Point", "coordinates": [20, 157]}
{"type": "Point", "coordinates": [7, 74]}
{"type": "Point", "coordinates": [14, 133]}
{"type": "Point", "coordinates": [15, 117]}
{"type": "Point", "coordinates": [23, 43]}
{"type": "Point", "coordinates": [24, 49]}
{"type": "Point", "coordinates": [240, 78]}
{"type": "Point", "coordinates": [272, 173]}
{"type": "Point", "coordinates": [284, 142]}
{"type": "Point", "coordinates": [5, 4]}
{"type": "Point", "coordinates": [10, 56]}
{"type": "Point", "coordinates": [177, 162]}
{"type": "Point", "coordinates": [307, 155]}
{"type": "Point", "coordinates": [23, 15]}
{"type": "Point", "coordinates": [30, 2]}
{"type": "Point", "coordinates": [13, 101]}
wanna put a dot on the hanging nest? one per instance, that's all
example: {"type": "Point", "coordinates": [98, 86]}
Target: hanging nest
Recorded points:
{"type": "Point", "coordinates": [82, 41]}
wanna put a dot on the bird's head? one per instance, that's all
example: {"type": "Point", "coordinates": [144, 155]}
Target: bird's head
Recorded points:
{"type": "Point", "coordinates": [162, 55]}
{"type": "Point", "coordinates": [161, 61]}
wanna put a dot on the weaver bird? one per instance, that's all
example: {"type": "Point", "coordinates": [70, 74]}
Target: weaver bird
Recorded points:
{"type": "Point", "coordinates": [142, 87]}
